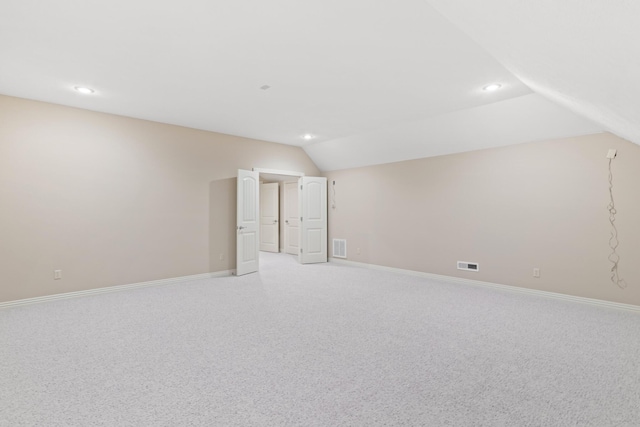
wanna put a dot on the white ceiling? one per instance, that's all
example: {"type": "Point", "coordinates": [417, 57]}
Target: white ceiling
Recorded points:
{"type": "Point", "coordinates": [583, 55]}
{"type": "Point", "coordinates": [375, 81]}
{"type": "Point", "coordinates": [517, 120]}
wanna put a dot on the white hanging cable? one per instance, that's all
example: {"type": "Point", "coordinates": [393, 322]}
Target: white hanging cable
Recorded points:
{"type": "Point", "coordinates": [614, 258]}
{"type": "Point", "coordinates": [333, 195]}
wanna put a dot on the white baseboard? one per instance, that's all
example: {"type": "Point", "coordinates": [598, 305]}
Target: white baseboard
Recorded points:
{"type": "Point", "coordinates": [108, 289]}
{"type": "Point", "coordinates": [546, 294]}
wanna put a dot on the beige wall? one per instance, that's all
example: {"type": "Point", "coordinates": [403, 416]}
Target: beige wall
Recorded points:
{"type": "Point", "coordinates": [510, 209]}
{"type": "Point", "coordinates": [111, 200]}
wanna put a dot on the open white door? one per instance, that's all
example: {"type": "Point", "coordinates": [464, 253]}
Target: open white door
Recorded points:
{"type": "Point", "coordinates": [313, 221]}
{"type": "Point", "coordinates": [247, 222]}
{"type": "Point", "coordinates": [269, 214]}
{"type": "Point", "coordinates": [292, 218]}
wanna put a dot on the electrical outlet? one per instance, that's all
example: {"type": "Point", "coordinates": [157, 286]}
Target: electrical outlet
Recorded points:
{"type": "Point", "coordinates": [611, 154]}
{"type": "Point", "coordinates": [358, 251]}
{"type": "Point", "coordinates": [221, 257]}
{"type": "Point", "coordinates": [57, 274]}
{"type": "Point", "coordinates": [536, 272]}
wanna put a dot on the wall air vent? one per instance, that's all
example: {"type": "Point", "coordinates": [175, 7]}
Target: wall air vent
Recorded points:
{"type": "Point", "coordinates": [469, 266]}
{"type": "Point", "coordinates": [339, 248]}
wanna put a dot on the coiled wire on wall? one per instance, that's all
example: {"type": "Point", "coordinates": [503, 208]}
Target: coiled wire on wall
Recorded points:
{"type": "Point", "coordinates": [333, 195]}
{"type": "Point", "coordinates": [614, 258]}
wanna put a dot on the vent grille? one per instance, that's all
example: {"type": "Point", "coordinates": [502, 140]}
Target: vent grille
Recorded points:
{"type": "Point", "coordinates": [469, 266]}
{"type": "Point", "coordinates": [339, 248]}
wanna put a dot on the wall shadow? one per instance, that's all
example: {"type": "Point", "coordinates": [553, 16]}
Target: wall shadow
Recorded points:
{"type": "Point", "coordinates": [222, 224]}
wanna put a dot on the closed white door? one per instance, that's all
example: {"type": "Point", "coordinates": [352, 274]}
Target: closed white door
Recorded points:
{"type": "Point", "coordinates": [269, 213]}
{"type": "Point", "coordinates": [313, 226]}
{"type": "Point", "coordinates": [247, 222]}
{"type": "Point", "coordinates": [291, 218]}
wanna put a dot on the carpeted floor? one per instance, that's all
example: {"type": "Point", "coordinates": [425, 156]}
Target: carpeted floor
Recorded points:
{"type": "Point", "coordinates": [318, 345]}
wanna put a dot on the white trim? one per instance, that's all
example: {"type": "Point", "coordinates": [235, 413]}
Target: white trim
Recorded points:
{"type": "Point", "coordinates": [459, 280]}
{"type": "Point", "coordinates": [278, 172]}
{"type": "Point", "coordinates": [109, 289]}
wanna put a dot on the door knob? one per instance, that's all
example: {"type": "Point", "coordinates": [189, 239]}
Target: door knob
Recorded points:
{"type": "Point", "coordinates": [286, 221]}
{"type": "Point", "coordinates": [240, 227]}
{"type": "Point", "coordinates": [275, 222]}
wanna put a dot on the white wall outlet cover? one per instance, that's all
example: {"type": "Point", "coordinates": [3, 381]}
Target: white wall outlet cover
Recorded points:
{"type": "Point", "coordinates": [612, 153]}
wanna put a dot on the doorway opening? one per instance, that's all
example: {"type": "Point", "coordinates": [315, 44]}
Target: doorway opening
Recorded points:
{"type": "Point", "coordinates": [279, 214]}
{"type": "Point", "coordinates": [280, 211]}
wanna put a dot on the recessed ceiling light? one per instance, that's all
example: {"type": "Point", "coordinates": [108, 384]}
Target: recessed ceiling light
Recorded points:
{"type": "Point", "coordinates": [265, 87]}
{"type": "Point", "coordinates": [84, 90]}
{"type": "Point", "coordinates": [492, 87]}
{"type": "Point", "coordinates": [307, 137]}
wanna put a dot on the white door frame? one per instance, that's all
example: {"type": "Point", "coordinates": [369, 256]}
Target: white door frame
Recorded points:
{"type": "Point", "coordinates": [278, 172]}
{"type": "Point", "coordinates": [293, 174]}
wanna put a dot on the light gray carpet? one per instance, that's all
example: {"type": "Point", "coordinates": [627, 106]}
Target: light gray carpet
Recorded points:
{"type": "Point", "coordinates": [318, 345]}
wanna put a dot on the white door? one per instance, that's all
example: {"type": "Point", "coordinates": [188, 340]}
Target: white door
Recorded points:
{"type": "Point", "coordinates": [291, 218]}
{"type": "Point", "coordinates": [313, 225]}
{"type": "Point", "coordinates": [247, 222]}
{"type": "Point", "coordinates": [269, 214]}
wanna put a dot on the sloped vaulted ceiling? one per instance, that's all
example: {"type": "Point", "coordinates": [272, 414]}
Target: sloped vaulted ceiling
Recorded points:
{"type": "Point", "coordinates": [374, 81]}
{"type": "Point", "coordinates": [583, 55]}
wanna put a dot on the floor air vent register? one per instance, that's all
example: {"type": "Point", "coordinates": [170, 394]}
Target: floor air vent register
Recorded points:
{"type": "Point", "coordinates": [469, 266]}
